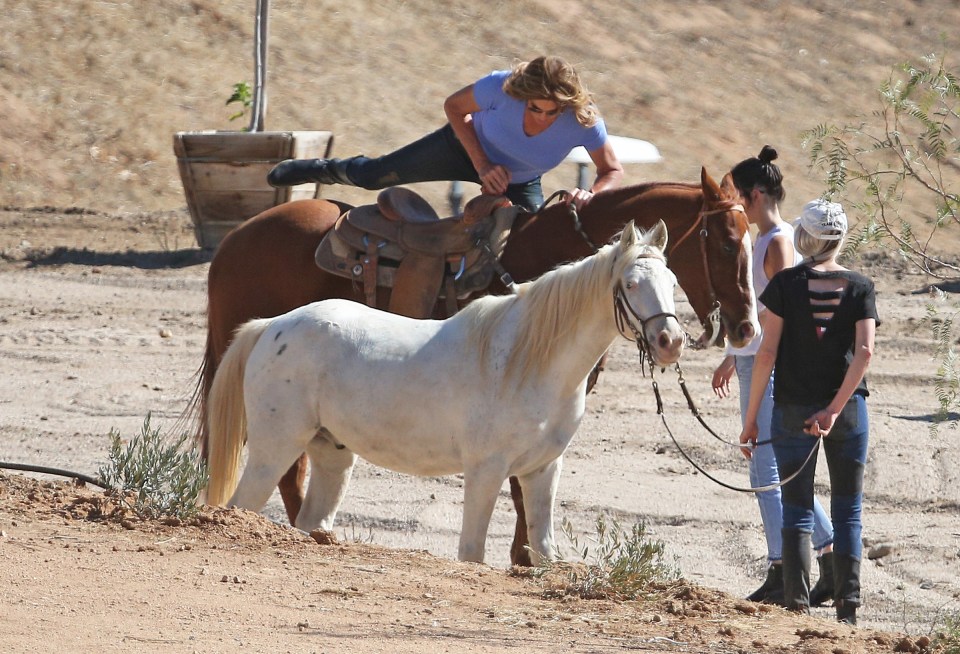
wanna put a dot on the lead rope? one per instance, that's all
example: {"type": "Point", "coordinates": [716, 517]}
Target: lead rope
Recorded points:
{"type": "Point", "coordinates": [696, 413]}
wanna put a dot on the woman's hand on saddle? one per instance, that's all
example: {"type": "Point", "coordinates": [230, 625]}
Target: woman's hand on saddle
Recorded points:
{"type": "Point", "coordinates": [493, 179]}
{"type": "Point", "coordinates": [748, 439]}
{"type": "Point", "coordinates": [722, 376]}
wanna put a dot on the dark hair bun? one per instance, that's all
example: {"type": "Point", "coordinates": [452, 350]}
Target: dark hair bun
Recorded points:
{"type": "Point", "coordinates": [767, 154]}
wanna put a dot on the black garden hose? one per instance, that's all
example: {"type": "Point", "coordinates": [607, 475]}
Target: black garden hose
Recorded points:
{"type": "Point", "coordinates": [53, 471]}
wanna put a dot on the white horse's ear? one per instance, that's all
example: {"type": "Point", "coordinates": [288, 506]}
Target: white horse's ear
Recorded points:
{"type": "Point", "coordinates": [629, 237]}
{"type": "Point", "coordinates": [659, 237]}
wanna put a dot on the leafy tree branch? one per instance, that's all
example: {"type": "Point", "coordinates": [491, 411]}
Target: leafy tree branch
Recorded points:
{"type": "Point", "coordinates": [900, 170]}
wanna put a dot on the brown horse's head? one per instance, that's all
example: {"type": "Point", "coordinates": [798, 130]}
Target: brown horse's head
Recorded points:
{"type": "Point", "coordinates": [708, 247]}
{"type": "Point", "coordinates": [726, 303]}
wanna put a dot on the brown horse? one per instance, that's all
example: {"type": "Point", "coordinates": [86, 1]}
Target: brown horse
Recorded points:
{"type": "Point", "coordinates": [265, 267]}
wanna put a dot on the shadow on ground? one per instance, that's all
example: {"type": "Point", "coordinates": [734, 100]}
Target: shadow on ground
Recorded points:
{"type": "Point", "coordinates": [149, 260]}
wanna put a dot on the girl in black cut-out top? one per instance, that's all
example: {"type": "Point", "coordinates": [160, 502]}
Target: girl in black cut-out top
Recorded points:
{"type": "Point", "coordinates": [819, 332]}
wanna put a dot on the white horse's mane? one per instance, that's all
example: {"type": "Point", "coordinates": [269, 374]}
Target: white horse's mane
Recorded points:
{"type": "Point", "coordinates": [552, 305]}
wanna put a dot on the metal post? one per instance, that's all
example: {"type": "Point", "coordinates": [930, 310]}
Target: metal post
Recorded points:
{"type": "Point", "coordinates": [455, 197]}
{"type": "Point", "coordinates": [259, 108]}
{"type": "Point", "coordinates": [582, 175]}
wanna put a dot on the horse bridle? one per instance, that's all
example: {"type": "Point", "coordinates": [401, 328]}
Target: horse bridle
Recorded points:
{"type": "Point", "coordinates": [622, 312]}
{"type": "Point", "coordinates": [710, 324]}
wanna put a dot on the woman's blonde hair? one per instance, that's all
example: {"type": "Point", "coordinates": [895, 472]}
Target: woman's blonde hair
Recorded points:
{"type": "Point", "coordinates": [552, 78]}
{"type": "Point", "coordinates": [813, 248]}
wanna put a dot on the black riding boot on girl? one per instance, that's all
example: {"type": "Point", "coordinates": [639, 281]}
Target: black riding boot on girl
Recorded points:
{"type": "Point", "coordinates": [796, 570]}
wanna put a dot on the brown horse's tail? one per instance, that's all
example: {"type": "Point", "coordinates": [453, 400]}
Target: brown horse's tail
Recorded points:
{"type": "Point", "coordinates": [226, 417]}
{"type": "Point", "coordinates": [194, 416]}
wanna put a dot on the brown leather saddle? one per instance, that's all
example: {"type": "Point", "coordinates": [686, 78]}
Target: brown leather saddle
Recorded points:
{"type": "Point", "coordinates": [402, 244]}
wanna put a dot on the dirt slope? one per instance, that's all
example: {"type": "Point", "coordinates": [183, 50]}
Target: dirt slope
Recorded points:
{"type": "Point", "coordinates": [93, 91]}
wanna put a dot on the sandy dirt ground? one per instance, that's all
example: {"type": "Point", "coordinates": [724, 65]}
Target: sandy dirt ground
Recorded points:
{"type": "Point", "coordinates": [102, 321]}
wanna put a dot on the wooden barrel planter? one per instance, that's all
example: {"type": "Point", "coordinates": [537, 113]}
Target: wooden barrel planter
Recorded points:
{"type": "Point", "coordinates": [224, 174]}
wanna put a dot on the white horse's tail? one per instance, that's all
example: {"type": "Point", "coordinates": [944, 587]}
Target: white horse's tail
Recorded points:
{"type": "Point", "coordinates": [226, 416]}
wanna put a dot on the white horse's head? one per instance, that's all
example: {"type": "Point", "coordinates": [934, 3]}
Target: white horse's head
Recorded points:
{"type": "Point", "coordinates": [646, 290]}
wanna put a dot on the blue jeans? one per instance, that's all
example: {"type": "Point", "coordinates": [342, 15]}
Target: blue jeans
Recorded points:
{"type": "Point", "coordinates": [846, 453]}
{"type": "Point", "coordinates": [437, 157]}
{"type": "Point", "coordinates": [763, 470]}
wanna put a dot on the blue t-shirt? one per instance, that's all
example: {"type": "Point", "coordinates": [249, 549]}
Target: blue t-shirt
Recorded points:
{"type": "Point", "coordinates": [499, 126]}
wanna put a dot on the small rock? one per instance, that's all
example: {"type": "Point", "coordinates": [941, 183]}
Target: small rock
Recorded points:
{"type": "Point", "coordinates": [323, 537]}
{"type": "Point", "coordinates": [879, 551]}
{"type": "Point", "coordinates": [165, 333]}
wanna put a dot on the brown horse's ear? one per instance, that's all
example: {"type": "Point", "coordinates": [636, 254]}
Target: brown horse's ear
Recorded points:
{"type": "Point", "coordinates": [711, 192]}
{"type": "Point", "coordinates": [728, 188]}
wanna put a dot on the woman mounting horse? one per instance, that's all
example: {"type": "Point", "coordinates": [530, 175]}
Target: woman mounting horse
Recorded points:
{"type": "Point", "coordinates": [304, 382]}
{"type": "Point", "coordinates": [504, 132]}
{"type": "Point", "coordinates": [265, 267]}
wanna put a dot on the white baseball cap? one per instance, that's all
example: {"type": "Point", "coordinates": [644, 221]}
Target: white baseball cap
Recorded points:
{"type": "Point", "coordinates": [824, 220]}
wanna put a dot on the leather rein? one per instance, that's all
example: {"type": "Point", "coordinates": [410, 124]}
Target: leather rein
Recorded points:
{"type": "Point", "coordinates": [696, 413]}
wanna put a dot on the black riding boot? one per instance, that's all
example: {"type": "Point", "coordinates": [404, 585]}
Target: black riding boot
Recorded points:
{"type": "Point", "coordinates": [822, 591]}
{"type": "Point", "coordinates": [796, 570]}
{"type": "Point", "coordinates": [846, 594]}
{"type": "Point", "coordinates": [305, 171]}
{"type": "Point", "coordinates": [771, 592]}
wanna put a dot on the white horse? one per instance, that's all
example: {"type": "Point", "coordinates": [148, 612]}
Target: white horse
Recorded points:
{"type": "Point", "coordinates": [497, 390]}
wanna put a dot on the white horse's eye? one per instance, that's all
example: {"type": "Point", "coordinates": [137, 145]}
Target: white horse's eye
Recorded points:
{"type": "Point", "coordinates": [629, 285]}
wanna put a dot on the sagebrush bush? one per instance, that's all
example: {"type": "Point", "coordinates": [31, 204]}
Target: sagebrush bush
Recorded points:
{"type": "Point", "coordinates": [948, 639]}
{"type": "Point", "coordinates": [623, 565]}
{"type": "Point", "coordinates": [154, 475]}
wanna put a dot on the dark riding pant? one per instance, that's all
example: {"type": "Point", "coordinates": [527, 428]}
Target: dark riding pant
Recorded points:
{"type": "Point", "coordinates": [438, 156]}
{"type": "Point", "coordinates": [846, 454]}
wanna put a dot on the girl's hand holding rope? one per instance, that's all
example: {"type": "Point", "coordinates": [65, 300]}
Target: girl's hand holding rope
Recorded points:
{"type": "Point", "coordinates": [748, 439]}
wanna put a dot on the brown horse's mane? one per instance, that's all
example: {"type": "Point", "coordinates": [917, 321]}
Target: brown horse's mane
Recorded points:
{"type": "Point", "coordinates": [645, 185]}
